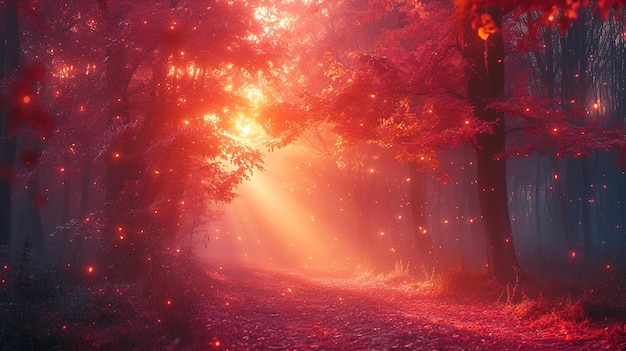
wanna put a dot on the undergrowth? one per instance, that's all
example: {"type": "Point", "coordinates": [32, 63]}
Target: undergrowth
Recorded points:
{"type": "Point", "coordinates": [591, 310]}
{"type": "Point", "coordinates": [47, 306]}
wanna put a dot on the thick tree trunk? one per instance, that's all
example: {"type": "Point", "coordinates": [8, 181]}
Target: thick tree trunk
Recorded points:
{"type": "Point", "coordinates": [9, 55]}
{"type": "Point", "coordinates": [486, 84]}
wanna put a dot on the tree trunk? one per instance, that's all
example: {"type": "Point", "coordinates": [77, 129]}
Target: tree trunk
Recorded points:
{"type": "Point", "coordinates": [82, 208]}
{"type": "Point", "coordinates": [486, 84]}
{"type": "Point", "coordinates": [65, 208]}
{"type": "Point", "coordinates": [419, 202]}
{"type": "Point", "coordinates": [9, 55]}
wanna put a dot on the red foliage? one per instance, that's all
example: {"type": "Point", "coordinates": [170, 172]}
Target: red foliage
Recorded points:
{"type": "Point", "coordinates": [406, 93]}
{"type": "Point", "coordinates": [562, 11]}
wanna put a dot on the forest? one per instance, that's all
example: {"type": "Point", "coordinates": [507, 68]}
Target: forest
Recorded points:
{"type": "Point", "coordinates": [168, 167]}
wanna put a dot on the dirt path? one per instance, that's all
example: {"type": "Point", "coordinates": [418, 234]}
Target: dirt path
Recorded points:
{"type": "Point", "coordinates": [255, 308]}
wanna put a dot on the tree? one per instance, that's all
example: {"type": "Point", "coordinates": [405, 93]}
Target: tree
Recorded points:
{"type": "Point", "coordinates": [485, 55]}
{"type": "Point", "coordinates": [182, 148]}
{"type": "Point", "coordinates": [9, 61]}
{"type": "Point", "coordinates": [165, 143]}
{"type": "Point", "coordinates": [383, 94]}
{"type": "Point", "coordinates": [390, 96]}
{"type": "Point", "coordinates": [486, 85]}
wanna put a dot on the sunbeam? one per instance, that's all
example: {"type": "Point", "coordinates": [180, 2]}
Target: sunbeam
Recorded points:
{"type": "Point", "coordinates": [273, 223]}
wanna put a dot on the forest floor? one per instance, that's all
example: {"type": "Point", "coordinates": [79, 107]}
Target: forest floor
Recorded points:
{"type": "Point", "coordinates": [255, 308]}
{"type": "Point", "coordinates": [234, 306]}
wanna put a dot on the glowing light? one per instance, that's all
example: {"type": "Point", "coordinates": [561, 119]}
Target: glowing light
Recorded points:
{"type": "Point", "coordinates": [26, 99]}
{"type": "Point", "coordinates": [168, 302]}
{"type": "Point", "coordinates": [467, 121]}
{"type": "Point", "coordinates": [117, 155]}
{"type": "Point", "coordinates": [556, 176]}
{"type": "Point", "coordinates": [121, 237]}
{"type": "Point", "coordinates": [572, 254]}
{"type": "Point", "coordinates": [90, 269]}
{"type": "Point", "coordinates": [244, 129]}
{"type": "Point", "coordinates": [212, 118]}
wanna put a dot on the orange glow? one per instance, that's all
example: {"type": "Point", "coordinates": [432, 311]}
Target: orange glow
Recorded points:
{"type": "Point", "coordinates": [281, 230]}
{"type": "Point", "coordinates": [90, 269]}
{"type": "Point", "coordinates": [117, 155]}
{"type": "Point", "coordinates": [26, 99]}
